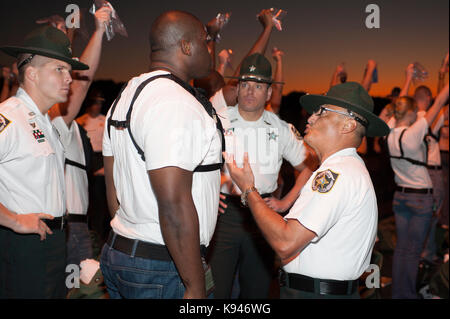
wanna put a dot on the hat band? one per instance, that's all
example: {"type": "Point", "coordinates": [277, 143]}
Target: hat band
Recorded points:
{"type": "Point", "coordinates": [257, 78]}
{"type": "Point", "coordinates": [27, 60]}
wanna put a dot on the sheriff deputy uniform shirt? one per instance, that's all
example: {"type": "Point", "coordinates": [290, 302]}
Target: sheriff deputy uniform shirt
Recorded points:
{"type": "Point", "coordinates": [31, 159]}
{"type": "Point", "coordinates": [173, 129]}
{"type": "Point", "coordinates": [76, 178]}
{"type": "Point", "coordinates": [339, 205]}
{"type": "Point", "coordinates": [267, 141]}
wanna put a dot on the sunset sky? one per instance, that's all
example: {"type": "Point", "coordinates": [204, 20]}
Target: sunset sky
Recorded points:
{"type": "Point", "coordinates": [317, 35]}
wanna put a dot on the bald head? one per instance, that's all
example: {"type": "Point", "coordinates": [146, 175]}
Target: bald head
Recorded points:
{"type": "Point", "coordinates": [170, 28]}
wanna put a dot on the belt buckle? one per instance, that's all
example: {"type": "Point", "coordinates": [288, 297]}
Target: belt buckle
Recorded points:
{"type": "Point", "coordinates": [62, 222]}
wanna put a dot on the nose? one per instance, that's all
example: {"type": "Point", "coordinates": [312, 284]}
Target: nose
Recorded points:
{"type": "Point", "coordinates": [312, 118]}
{"type": "Point", "coordinates": [68, 78]}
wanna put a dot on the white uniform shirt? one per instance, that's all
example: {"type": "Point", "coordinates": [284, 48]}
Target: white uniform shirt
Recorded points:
{"type": "Point", "coordinates": [267, 141]}
{"type": "Point", "coordinates": [76, 178]}
{"type": "Point", "coordinates": [31, 159]}
{"type": "Point", "coordinates": [94, 128]}
{"type": "Point", "coordinates": [173, 129]}
{"type": "Point", "coordinates": [408, 174]}
{"type": "Point", "coordinates": [339, 205]}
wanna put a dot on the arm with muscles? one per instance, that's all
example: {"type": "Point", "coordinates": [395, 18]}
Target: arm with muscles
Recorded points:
{"type": "Point", "coordinates": [439, 102]}
{"type": "Point", "coordinates": [442, 71]}
{"type": "Point", "coordinates": [83, 79]}
{"type": "Point", "coordinates": [25, 223]}
{"type": "Point", "coordinates": [368, 75]}
{"type": "Point", "coordinates": [179, 225]}
{"type": "Point", "coordinates": [408, 79]}
{"type": "Point", "coordinates": [260, 46]}
{"type": "Point", "coordinates": [287, 237]}
{"type": "Point", "coordinates": [277, 88]}
{"type": "Point", "coordinates": [111, 197]}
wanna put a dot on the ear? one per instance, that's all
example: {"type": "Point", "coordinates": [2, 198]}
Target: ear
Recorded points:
{"type": "Point", "coordinates": [186, 47]}
{"type": "Point", "coordinates": [31, 73]}
{"type": "Point", "coordinates": [269, 93]}
{"type": "Point", "coordinates": [349, 126]}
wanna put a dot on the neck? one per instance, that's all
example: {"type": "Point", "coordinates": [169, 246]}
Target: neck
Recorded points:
{"type": "Point", "coordinates": [41, 101]}
{"type": "Point", "coordinates": [160, 65]}
{"type": "Point", "coordinates": [251, 116]}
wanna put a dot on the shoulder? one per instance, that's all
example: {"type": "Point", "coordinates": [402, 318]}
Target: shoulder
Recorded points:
{"type": "Point", "coordinates": [11, 113]}
{"type": "Point", "coordinates": [285, 127]}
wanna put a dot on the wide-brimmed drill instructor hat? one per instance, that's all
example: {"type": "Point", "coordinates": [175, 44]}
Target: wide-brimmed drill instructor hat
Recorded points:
{"type": "Point", "coordinates": [353, 97]}
{"type": "Point", "coordinates": [47, 41]}
{"type": "Point", "coordinates": [255, 68]}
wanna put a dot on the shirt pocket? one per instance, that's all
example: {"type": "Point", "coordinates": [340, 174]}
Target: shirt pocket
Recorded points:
{"type": "Point", "coordinates": [39, 143]}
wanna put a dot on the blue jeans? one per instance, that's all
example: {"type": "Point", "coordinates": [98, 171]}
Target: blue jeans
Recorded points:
{"type": "Point", "coordinates": [79, 246]}
{"type": "Point", "coordinates": [413, 214]}
{"type": "Point", "coordinates": [139, 278]}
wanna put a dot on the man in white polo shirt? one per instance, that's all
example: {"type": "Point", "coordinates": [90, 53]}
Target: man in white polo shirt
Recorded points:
{"type": "Point", "coordinates": [326, 240]}
{"type": "Point", "coordinates": [162, 154]}
{"type": "Point", "coordinates": [238, 244]}
{"type": "Point", "coordinates": [32, 166]}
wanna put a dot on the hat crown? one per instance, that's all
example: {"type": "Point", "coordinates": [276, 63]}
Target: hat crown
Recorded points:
{"type": "Point", "coordinates": [353, 93]}
{"type": "Point", "coordinates": [256, 66]}
{"type": "Point", "coordinates": [49, 38]}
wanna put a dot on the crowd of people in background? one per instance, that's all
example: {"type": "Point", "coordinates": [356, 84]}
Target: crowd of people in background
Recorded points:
{"type": "Point", "coordinates": [408, 168]}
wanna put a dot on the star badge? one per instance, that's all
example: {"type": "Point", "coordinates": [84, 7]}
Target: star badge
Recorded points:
{"type": "Point", "coordinates": [252, 68]}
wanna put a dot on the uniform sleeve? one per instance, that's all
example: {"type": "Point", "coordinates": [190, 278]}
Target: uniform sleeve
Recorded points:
{"type": "Point", "coordinates": [106, 144]}
{"type": "Point", "coordinates": [293, 149]}
{"type": "Point", "coordinates": [175, 134]}
{"type": "Point", "coordinates": [6, 135]}
{"type": "Point", "coordinates": [320, 203]}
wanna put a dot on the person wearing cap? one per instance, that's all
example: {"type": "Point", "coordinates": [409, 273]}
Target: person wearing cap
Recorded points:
{"type": "Point", "coordinates": [325, 241]}
{"type": "Point", "coordinates": [32, 166]}
{"type": "Point", "coordinates": [413, 198]}
{"type": "Point", "coordinates": [237, 243]}
{"type": "Point", "coordinates": [78, 150]}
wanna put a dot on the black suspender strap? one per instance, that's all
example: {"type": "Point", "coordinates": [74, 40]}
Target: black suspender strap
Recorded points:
{"type": "Point", "coordinates": [198, 96]}
{"type": "Point", "coordinates": [76, 164]}
{"type": "Point", "coordinates": [402, 156]}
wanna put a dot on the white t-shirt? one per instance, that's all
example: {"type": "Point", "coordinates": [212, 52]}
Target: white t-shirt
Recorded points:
{"type": "Point", "coordinates": [76, 178]}
{"type": "Point", "coordinates": [173, 129]}
{"type": "Point", "coordinates": [267, 141]}
{"type": "Point", "coordinates": [339, 205]}
{"type": "Point", "coordinates": [408, 174]}
{"type": "Point", "coordinates": [31, 159]}
{"type": "Point", "coordinates": [94, 127]}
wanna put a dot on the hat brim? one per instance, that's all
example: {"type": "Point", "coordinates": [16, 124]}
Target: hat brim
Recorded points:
{"type": "Point", "coordinates": [15, 51]}
{"type": "Point", "coordinates": [253, 79]}
{"type": "Point", "coordinates": [376, 126]}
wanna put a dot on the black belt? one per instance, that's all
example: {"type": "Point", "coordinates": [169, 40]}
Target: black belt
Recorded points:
{"type": "Point", "coordinates": [318, 286]}
{"type": "Point", "coordinates": [75, 218]}
{"type": "Point", "coordinates": [434, 167]}
{"type": "Point", "coordinates": [57, 223]}
{"type": "Point", "coordinates": [414, 190]}
{"type": "Point", "coordinates": [138, 248]}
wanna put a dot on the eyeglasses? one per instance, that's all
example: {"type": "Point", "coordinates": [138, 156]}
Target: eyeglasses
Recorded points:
{"type": "Point", "coordinates": [349, 113]}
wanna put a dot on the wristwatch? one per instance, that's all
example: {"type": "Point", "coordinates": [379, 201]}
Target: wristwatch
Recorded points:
{"type": "Point", "coordinates": [244, 195]}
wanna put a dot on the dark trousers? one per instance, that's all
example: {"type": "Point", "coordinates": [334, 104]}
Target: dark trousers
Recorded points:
{"type": "Point", "coordinates": [31, 268]}
{"type": "Point", "coordinates": [239, 244]}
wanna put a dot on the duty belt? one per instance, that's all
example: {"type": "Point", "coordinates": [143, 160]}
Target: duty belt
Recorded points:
{"type": "Point", "coordinates": [57, 223]}
{"type": "Point", "coordinates": [318, 286]}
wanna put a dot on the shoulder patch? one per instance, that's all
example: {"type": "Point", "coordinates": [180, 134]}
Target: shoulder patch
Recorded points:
{"type": "Point", "coordinates": [324, 181]}
{"type": "Point", "coordinates": [297, 134]}
{"type": "Point", "coordinates": [4, 122]}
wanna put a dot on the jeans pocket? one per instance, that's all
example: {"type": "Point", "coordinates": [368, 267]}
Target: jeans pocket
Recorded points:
{"type": "Point", "coordinates": [131, 288]}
